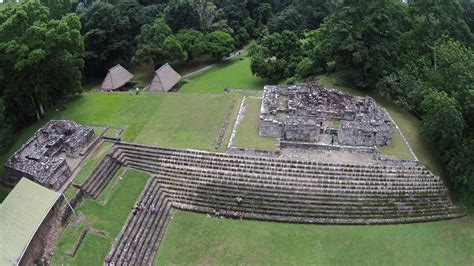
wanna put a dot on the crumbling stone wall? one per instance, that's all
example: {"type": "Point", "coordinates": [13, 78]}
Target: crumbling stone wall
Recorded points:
{"type": "Point", "coordinates": [297, 113]}
{"type": "Point", "coordinates": [42, 157]}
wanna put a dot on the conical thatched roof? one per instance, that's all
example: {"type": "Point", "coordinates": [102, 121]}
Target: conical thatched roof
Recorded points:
{"type": "Point", "coordinates": [165, 79]}
{"type": "Point", "coordinates": [116, 78]}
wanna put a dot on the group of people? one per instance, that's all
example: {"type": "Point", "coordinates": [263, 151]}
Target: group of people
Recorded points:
{"type": "Point", "coordinates": [141, 207]}
{"type": "Point", "coordinates": [228, 214]}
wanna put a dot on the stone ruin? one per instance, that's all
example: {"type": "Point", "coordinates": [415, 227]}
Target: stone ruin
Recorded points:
{"type": "Point", "coordinates": [297, 113]}
{"type": "Point", "coordinates": [43, 157]}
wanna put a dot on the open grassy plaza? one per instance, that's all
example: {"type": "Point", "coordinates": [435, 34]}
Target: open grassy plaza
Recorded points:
{"type": "Point", "coordinates": [201, 117]}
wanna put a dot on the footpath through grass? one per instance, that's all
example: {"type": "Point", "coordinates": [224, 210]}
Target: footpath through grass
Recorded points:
{"type": "Point", "coordinates": [195, 239]}
{"type": "Point", "coordinates": [234, 73]}
{"type": "Point", "coordinates": [102, 218]}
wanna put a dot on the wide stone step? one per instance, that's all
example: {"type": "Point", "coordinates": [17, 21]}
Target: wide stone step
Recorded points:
{"type": "Point", "coordinates": [308, 187]}
{"type": "Point", "coordinates": [399, 172]}
{"type": "Point", "coordinates": [287, 181]}
{"type": "Point", "coordinates": [250, 160]}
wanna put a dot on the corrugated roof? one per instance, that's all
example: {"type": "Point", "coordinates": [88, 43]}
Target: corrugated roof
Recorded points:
{"type": "Point", "coordinates": [21, 214]}
{"type": "Point", "coordinates": [165, 79]}
{"type": "Point", "coordinates": [116, 78]}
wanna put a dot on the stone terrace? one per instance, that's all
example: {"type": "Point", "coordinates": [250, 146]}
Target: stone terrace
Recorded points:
{"type": "Point", "coordinates": [283, 190]}
{"type": "Point", "coordinates": [293, 191]}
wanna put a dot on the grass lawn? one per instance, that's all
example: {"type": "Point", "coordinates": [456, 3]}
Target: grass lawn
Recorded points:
{"type": "Point", "coordinates": [234, 73]}
{"type": "Point", "coordinates": [247, 131]}
{"type": "Point", "coordinates": [187, 121]}
{"type": "Point", "coordinates": [397, 149]}
{"type": "Point", "coordinates": [195, 239]}
{"type": "Point", "coordinates": [104, 218]}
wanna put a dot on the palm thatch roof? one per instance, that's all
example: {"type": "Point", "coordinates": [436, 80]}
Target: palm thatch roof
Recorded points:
{"type": "Point", "coordinates": [165, 79]}
{"type": "Point", "coordinates": [116, 78]}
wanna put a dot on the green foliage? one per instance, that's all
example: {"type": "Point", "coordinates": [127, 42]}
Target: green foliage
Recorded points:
{"type": "Point", "coordinates": [157, 45]}
{"type": "Point", "coordinates": [109, 32]}
{"type": "Point", "coordinates": [366, 49]}
{"type": "Point", "coordinates": [406, 89]}
{"type": "Point", "coordinates": [40, 58]}
{"type": "Point", "coordinates": [194, 43]}
{"type": "Point", "coordinates": [181, 14]}
{"type": "Point", "coordinates": [432, 20]}
{"type": "Point", "coordinates": [273, 58]}
{"type": "Point", "coordinates": [221, 44]}
{"type": "Point", "coordinates": [442, 123]}
{"type": "Point", "coordinates": [288, 19]}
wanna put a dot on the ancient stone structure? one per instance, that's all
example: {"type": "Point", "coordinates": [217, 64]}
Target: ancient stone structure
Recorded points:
{"type": "Point", "coordinates": [43, 157]}
{"type": "Point", "coordinates": [298, 112]}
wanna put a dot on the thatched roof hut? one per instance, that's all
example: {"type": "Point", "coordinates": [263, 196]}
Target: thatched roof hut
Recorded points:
{"type": "Point", "coordinates": [116, 78]}
{"type": "Point", "coordinates": [165, 79]}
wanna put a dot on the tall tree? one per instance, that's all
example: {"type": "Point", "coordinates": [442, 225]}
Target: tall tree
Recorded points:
{"type": "Point", "coordinates": [365, 39]}
{"type": "Point", "coordinates": [194, 43]}
{"type": "Point", "coordinates": [220, 44]}
{"type": "Point", "coordinates": [157, 45]}
{"type": "Point", "coordinates": [110, 32]}
{"type": "Point", "coordinates": [40, 58]}
{"type": "Point", "coordinates": [181, 14]}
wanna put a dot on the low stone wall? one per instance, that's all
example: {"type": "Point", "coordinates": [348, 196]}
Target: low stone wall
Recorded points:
{"type": "Point", "coordinates": [318, 146]}
{"type": "Point", "coordinates": [394, 162]}
{"type": "Point", "coordinates": [253, 152]}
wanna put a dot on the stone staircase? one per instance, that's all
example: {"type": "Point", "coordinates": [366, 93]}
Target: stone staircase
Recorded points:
{"type": "Point", "coordinates": [101, 176]}
{"type": "Point", "coordinates": [139, 239]}
{"type": "Point", "coordinates": [293, 191]}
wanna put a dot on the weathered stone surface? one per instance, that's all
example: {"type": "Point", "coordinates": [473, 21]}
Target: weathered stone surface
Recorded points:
{"type": "Point", "coordinates": [297, 113]}
{"type": "Point", "coordinates": [40, 160]}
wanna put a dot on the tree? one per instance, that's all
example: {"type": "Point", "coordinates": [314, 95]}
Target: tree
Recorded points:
{"type": "Point", "coordinates": [194, 43]}
{"type": "Point", "coordinates": [5, 130]}
{"type": "Point", "coordinates": [442, 123]}
{"type": "Point", "coordinates": [288, 19]}
{"type": "Point", "coordinates": [181, 14]}
{"type": "Point", "coordinates": [220, 44]}
{"type": "Point", "coordinates": [365, 39]}
{"type": "Point", "coordinates": [41, 59]}
{"type": "Point", "coordinates": [264, 13]}
{"type": "Point", "coordinates": [274, 58]}
{"type": "Point", "coordinates": [110, 33]}
{"type": "Point", "coordinates": [157, 45]}
{"type": "Point", "coordinates": [208, 13]}
{"type": "Point", "coordinates": [432, 20]}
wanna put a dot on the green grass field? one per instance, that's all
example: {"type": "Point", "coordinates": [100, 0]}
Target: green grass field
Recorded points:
{"type": "Point", "coordinates": [234, 73]}
{"type": "Point", "coordinates": [195, 239]}
{"type": "Point", "coordinates": [247, 131]}
{"type": "Point", "coordinates": [103, 218]}
{"type": "Point", "coordinates": [187, 121]}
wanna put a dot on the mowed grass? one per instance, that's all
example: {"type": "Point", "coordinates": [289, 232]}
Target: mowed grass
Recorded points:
{"type": "Point", "coordinates": [233, 73]}
{"type": "Point", "coordinates": [247, 131]}
{"type": "Point", "coordinates": [187, 121]}
{"type": "Point", "coordinates": [195, 239]}
{"type": "Point", "coordinates": [397, 149]}
{"type": "Point", "coordinates": [104, 218]}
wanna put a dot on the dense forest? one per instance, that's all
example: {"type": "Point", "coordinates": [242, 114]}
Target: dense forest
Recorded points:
{"type": "Point", "coordinates": [417, 53]}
